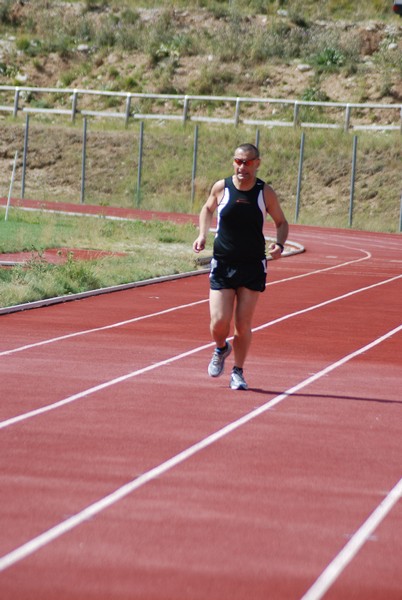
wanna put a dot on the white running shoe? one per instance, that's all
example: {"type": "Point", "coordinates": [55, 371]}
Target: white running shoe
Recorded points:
{"type": "Point", "coordinates": [237, 381]}
{"type": "Point", "coordinates": [217, 364]}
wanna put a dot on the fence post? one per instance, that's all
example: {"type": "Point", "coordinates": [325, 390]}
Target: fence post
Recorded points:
{"type": "Point", "coordinates": [74, 106]}
{"type": "Point", "coordinates": [352, 182]}
{"type": "Point", "coordinates": [84, 148]}
{"type": "Point", "coordinates": [139, 172]}
{"type": "Point", "coordinates": [400, 217]}
{"type": "Point", "coordinates": [347, 118]}
{"type": "Point", "coordinates": [185, 109]}
{"type": "Point", "coordinates": [10, 191]}
{"type": "Point", "coordinates": [299, 177]}
{"type": "Point", "coordinates": [257, 138]}
{"type": "Point", "coordinates": [194, 171]}
{"type": "Point", "coordinates": [237, 112]}
{"type": "Point", "coordinates": [296, 109]}
{"type": "Point", "coordinates": [16, 100]}
{"type": "Point", "coordinates": [24, 156]}
{"type": "Point", "coordinates": [128, 107]}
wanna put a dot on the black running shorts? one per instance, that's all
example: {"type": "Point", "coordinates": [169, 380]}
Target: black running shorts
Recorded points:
{"type": "Point", "coordinates": [251, 275]}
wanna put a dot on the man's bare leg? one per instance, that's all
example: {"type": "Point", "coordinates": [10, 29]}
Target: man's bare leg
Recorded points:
{"type": "Point", "coordinates": [245, 307]}
{"type": "Point", "coordinates": [221, 303]}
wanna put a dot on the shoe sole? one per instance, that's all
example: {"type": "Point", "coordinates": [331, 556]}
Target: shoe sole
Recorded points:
{"type": "Point", "coordinates": [239, 387]}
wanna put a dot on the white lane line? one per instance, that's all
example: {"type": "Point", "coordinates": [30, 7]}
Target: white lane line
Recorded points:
{"type": "Point", "coordinates": [94, 509]}
{"type": "Point", "coordinates": [103, 328]}
{"type": "Point", "coordinates": [100, 387]}
{"type": "Point", "coordinates": [162, 312]}
{"type": "Point", "coordinates": [340, 562]}
{"type": "Point", "coordinates": [326, 302]}
{"type": "Point", "coordinates": [349, 262]}
{"type": "Point", "coordinates": [117, 380]}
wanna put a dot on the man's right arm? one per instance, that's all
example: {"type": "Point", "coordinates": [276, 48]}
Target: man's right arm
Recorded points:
{"type": "Point", "coordinates": [207, 213]}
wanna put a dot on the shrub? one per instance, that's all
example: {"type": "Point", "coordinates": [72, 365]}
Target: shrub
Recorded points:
{"type": "Point", "coordinates": [6, 14]}
{"type": "Point", "coordinates": [329, 58]}
{"type": "Point", "coordinates": [23, 43]}
{"type": "Point", "coordinates": [314, 94]}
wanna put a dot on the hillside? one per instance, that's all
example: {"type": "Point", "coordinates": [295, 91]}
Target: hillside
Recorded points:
{"type": "Point", "coordinates": [284, 54]}
{"type": "Point", "coordinates": [339, 51]}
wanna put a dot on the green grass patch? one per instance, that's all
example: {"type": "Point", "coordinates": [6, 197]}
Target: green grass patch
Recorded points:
{"type": "Point", "coordinates": [151, 248]}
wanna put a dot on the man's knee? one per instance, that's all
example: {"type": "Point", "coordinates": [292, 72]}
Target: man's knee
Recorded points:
{"type": "Point", "coordinates": [242, 329]}
{"type": "Point", "coordinates": [219, 323]}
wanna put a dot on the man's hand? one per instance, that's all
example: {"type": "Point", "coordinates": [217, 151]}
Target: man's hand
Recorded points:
{"type": "Point", "coordinates": [199, 244]}
{"type": "Point", "coordinates": [275, 251]}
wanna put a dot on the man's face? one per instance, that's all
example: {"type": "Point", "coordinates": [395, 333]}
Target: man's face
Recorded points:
{"type": "Point", "coordinates": [245, 165]}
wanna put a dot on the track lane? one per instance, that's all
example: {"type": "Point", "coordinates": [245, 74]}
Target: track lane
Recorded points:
{"type": "Point", "coordinates": [99, 360]}
{"type": "Point", "coordinates": [247, 450]}
{"type": "Point", "coordinates": [95, 308]}
{"type": "Point", "coordinates": [274, 362]}
{"type": "Point", "coordinates": [102, 363]}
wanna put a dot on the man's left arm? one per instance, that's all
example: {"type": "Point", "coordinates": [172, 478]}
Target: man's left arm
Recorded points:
{"type": "Point", "coordinates": [275, 211]}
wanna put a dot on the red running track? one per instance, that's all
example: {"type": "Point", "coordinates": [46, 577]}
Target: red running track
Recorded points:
{"type": "Point", "coordinates": [127, 473]}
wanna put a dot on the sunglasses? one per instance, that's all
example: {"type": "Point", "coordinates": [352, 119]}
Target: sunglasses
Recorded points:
{"type": "Point", "coordinates": [246, 163]}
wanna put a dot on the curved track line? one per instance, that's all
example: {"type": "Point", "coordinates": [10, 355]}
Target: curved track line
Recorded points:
{"type": "Point", "coordinates": [340, 562]}
{"type": "Point", "coordinates": [350, 262]}
{"type": "Point", "coordinates": [94, 509]}
{"type": "Point", "coordinates": [162, 312]}
{"type": "Point", "coordinates": [111, 382]}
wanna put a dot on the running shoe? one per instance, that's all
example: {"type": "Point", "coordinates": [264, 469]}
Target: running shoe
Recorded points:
{"type": "Point", "coordinates": [237, 381]}
{"type": "Point", "coordinates": [217, 364]}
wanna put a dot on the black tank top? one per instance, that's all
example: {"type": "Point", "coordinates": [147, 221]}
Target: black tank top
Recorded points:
{"type": "Point", "coordinates": [241, 215]}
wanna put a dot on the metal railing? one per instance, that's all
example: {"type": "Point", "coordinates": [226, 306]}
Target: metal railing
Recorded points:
{"type": "Point", "coordinates": [235, 107]}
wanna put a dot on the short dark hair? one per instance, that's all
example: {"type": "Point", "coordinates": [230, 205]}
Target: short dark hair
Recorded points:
{"type": "Point", "coordinates": [249, 148]}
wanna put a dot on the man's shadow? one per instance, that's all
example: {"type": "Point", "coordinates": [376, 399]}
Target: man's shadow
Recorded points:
{"type": "Point", "coordinates": [275, 393]}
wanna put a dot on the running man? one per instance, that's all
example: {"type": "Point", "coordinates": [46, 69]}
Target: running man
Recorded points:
{"type": "Point", "coordinates": [239, 265]}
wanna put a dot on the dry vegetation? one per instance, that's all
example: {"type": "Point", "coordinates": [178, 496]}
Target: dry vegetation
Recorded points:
{"type": "Point", "coordinates": [108, 45]}
{"type": "Point", "coordinates": [346, 51]}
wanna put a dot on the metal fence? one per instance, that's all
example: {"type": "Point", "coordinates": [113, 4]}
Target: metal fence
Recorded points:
{"type": "Point", "coordinates": [236, 110]}
{"type": "Point", "coordinates": [138, 191]}
{"type": "Point", "coordinates": [20, 103]}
